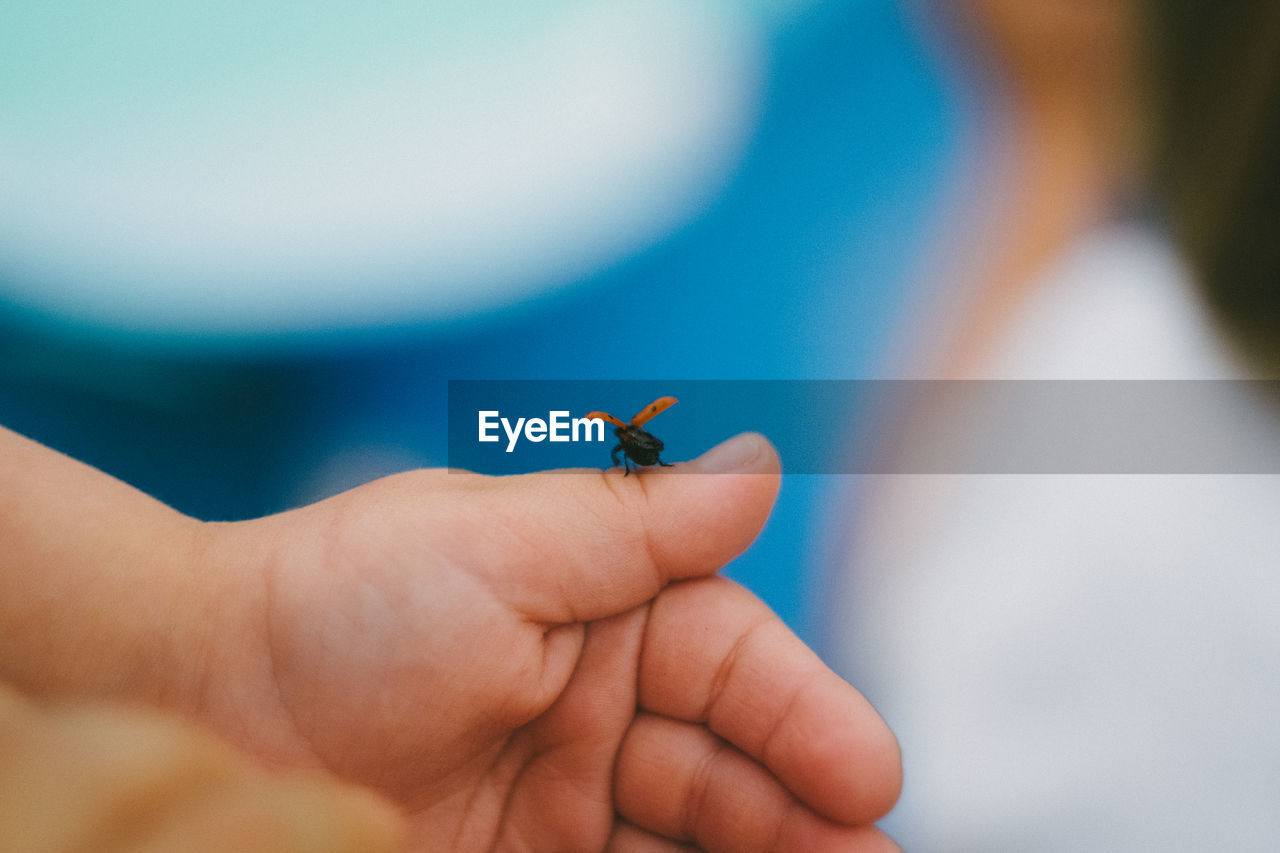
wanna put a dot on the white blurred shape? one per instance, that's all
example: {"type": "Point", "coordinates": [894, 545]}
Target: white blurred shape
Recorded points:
{"type": "Point", "coordinates": [412, 188]}
{"type": "Point", "coordinates": [1089, 661]}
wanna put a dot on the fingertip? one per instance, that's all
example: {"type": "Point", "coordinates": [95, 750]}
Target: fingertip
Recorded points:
{"type": "Point", "coordinates": [892, 791]}
{"type": "Point", "coordinates": [699, 523]}
{"type": "Point", "coordinates": [837, 753]}
{"type": "Point", "coordinates": [745, 453]}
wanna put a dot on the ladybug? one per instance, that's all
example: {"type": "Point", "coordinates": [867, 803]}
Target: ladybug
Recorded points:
{"type": "Point", "coordinates": [636, 444]}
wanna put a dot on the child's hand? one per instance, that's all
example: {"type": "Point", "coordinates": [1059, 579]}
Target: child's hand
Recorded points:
{"type": "Point", "coordinates": [546, 662]}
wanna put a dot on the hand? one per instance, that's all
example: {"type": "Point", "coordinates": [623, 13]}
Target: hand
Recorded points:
{"type": "Point", "coordinates": [545, 662]}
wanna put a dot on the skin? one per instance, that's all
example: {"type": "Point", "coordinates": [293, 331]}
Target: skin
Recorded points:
{"type": "Point", "coordinates": [77, 776]}
{"type": "Point", "coordinates": [1058, 150]}
{"type": "Point", "coordinates": [544, 662]}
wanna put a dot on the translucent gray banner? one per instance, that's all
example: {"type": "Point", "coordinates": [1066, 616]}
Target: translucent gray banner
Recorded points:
{"type": "Point", "coordinates": [890, 426]}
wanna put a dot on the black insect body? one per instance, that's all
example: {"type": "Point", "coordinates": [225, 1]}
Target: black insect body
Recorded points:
{"type": "Point", "coordinates": [634, 441]}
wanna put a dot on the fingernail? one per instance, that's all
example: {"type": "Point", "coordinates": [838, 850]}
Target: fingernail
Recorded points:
{"type": "Point", "coordinates": [738, 454]}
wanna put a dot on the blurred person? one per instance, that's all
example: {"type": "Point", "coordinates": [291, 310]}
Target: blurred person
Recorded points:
{"type": "Point", "coordinates": [1051, 153]}
{"type": "Point", "coordinates": [1087, 661]}
{"type": "Point", "coordinates": [535, 662]}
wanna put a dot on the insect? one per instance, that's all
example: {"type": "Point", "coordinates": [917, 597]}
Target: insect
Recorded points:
{"type": "Point", "coordinates": [635, 443]}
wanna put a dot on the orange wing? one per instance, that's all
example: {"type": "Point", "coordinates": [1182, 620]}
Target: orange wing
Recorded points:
{"type": "Point", "coordinates": [604, 416]}
{"type": "Point", "coordinates": [659, 405]}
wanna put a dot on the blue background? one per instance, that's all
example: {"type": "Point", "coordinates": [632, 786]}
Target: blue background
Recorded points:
{"type": "Point", "coordinates": [798, 270]}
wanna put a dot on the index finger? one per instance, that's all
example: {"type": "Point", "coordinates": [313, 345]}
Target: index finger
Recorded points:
{"type": "Point", "coordinates": [713, 653]}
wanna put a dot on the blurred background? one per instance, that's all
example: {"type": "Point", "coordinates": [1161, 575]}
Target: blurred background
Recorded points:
{"type": "Point", "coordinates": [244, 246]}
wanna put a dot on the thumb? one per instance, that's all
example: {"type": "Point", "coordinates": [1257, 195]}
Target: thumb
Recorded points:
{"type": "Point", "coordinates": [577, 546]}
